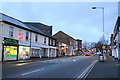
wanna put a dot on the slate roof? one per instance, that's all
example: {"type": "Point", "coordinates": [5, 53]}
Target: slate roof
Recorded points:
{"type": "Point", "coordinates": [13, 21]}
{"type": "Point", "coordinates": [37, 30]}
{"type": "Point", "coordinates": [38, 25]}
{"type": "Point", "coordinates": [59, 32]}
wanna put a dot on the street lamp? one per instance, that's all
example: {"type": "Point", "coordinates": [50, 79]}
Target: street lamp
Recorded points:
{"type": "Point", "coordinates": [103, 19]}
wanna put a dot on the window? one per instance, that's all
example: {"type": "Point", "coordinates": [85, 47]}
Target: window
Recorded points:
{"type": "Point", "coordinates": [27, 35]}
{"type": "Point", "coordinates": [36, 38]}
{"type": "Point", "coordinates": [44, 39]}
{"type": "Point", "coordinates": [50, 41]}
{"type": "Point", "coordinates": [11, 32]}
{"type": "Point", "coordinates": [53, 42]}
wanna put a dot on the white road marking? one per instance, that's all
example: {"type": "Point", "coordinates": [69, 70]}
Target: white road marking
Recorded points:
{"type": "Point", "coordinates": [33, 71]}
{"type": "Point", "coordinates": [64, 60]}
{"type": "Point", "coordinates": [74, 60]}
{"type": "Point", "coordinates": [87, 70]}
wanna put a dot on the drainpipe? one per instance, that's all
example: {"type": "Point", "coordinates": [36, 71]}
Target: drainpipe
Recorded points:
{"type": "Point", "coordinates": [30, 44]}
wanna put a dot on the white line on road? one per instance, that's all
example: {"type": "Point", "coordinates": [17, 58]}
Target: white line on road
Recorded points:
{"type": "Point", "coordinates": [33, 71]}
{"type": "Point", "coordinates": [74, 60]}
{"type": "Point", "coordinates": [87, 70]}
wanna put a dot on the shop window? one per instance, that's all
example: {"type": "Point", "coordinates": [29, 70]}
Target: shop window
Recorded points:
{"type": "Point", "coordinates": [10, 52]}
{"type": "Point", "coordinates": [11, 32]}
{"type": "Point", "coordinates": [23, 52]}
{"type": "Point", "coordinates": [27, 35]}
{"type": "Point", "coordinates": [36, 38]}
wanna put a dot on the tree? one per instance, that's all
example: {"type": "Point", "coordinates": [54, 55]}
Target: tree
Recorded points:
{"type": "Point", "coordinates": [100, 43]}
{"type": "Point", "coordinates": [86, 45]}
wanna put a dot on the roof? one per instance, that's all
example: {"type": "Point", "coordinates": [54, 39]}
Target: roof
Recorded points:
{"type": "Point", "coordinates": [78, 40]}
{"type": "Point", "coordinates": [38, 25]}
{"type": "Point", "coordinates": [63, 33]}
{"type": "Point", "coordinates": [37, 30]}
{"type": "Point", "coordinates": [13, 21]}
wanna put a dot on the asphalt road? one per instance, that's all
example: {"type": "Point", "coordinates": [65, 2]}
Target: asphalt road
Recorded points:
{"type": "Point", "coordinates": [70, 67]}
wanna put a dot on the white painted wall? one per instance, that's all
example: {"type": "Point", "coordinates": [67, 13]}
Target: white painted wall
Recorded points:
{"type": "Point", "coordinates": [41, 39]}
{"type": "Point", "coordinates": [16, 31]}
{"type": "Point", "coordinates": [47, 40]}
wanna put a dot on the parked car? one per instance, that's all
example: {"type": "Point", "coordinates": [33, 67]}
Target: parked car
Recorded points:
{"type": "Point", "coordinates": [88, 54]}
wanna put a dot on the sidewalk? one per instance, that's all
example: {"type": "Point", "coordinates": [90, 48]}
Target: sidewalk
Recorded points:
{"type": "Point", "coordinates": [107, 70]}
{"type": "Point", "coordinates": [28, 60]}
{"type": "Point", "coordinates": [32, 60]}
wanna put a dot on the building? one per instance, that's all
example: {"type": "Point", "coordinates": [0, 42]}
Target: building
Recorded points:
{"type": "Point", "coordinates": [66, 44]}
{"type": "Point", "coordinates": [22, 41]}
{"type": "Point", "coordinates": [45, 41]}
{"type": "Point", "coordinates": [79, 44]}
{"type": "Point", "coordinates": [116, 40]}
{"type": "Point", "coordinates": [15, 39]}
{"type": "Point", "coordinates": [115, 37]}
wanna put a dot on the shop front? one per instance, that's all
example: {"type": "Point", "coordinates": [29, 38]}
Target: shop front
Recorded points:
{"type": "Point", "coordinates": [36, 51]}
{"type": "Point", "coordinates": [24, 50]}
{"type": "Point", "coordinates": [62, 49]}
{"type": "Point", "coordinates": [52, 51]}
{"type": "Point", "coordinates": [10, 49]}
{"type": "Point", "coordinates": [45, 50]}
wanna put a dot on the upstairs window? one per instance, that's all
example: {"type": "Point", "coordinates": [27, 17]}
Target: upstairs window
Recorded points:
{"type": "Point", "coordinates": [36, 38]}
{"type": "Point", "coordinates": [50, 42]}
{"type": "Point", "coordinates": [45, 40]}
{"type": "Point", "coordinates": [27, 35]}
{"type": "Point", "coordinates": [53, 42]}
{"type": "Point", "coordinates": [11, 31]}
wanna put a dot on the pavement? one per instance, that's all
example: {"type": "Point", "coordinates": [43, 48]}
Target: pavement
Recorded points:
{"type": "Point", "coordinates": [30, 60]}
{"type": "Point", "coordinates": [108, 70]}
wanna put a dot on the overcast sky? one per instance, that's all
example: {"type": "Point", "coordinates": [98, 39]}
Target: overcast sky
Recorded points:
{"type": "Point", "coordinates": [77, 19]}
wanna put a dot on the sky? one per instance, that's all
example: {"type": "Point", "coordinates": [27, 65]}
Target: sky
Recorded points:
{"type": "Point", "coordinates": [76, 19]}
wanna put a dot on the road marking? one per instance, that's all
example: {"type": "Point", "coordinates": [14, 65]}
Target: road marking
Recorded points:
{"type": "Point", "coordinates": [33, 71]}
{"type": "Point", "coordinates": [74, 60]}
{"type": "Point", "coordinates": [64, 60]}
{"type": "Point", "coordinates": [87, 70]}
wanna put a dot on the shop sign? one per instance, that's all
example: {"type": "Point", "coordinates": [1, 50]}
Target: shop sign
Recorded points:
{"type": "Point", "coordinates": [10, 41]}
{"type": "Point", "coordinates": [24, 43]}
{"type": "Point", "coordinates": [35, 44]}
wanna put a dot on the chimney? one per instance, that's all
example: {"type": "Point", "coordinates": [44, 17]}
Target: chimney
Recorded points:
{"type": "Point", "coordinates": [51, 30]}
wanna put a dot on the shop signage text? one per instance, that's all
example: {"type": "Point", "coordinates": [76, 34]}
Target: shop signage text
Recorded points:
{"type": "Point", "coordinates": [24, 43]}
{"type": "Point", "coordinates": [10, 41]}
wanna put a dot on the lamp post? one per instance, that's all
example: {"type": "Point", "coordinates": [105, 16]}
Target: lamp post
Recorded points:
{"type": "Point", "coordinates": [103, 20]}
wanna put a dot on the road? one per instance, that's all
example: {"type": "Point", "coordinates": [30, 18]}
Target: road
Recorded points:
{"type": "Point", "coordinates": [70, 67]}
